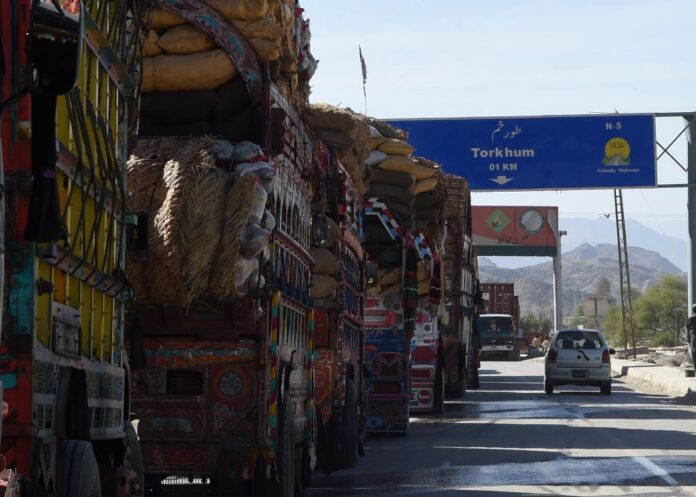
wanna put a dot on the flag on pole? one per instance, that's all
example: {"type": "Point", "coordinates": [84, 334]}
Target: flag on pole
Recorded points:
{"type": "Point", "coordinates": [363, 66]}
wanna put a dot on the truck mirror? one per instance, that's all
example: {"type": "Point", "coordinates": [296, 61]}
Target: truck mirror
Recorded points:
{"type": "Point", "coordinates": [372, 273]}
{"type": "Point", "coordinates": [320, 230]}
{"type": "Point", "coordinates": [136, 237]}
{"type": "Point", "coordinates": [55, 46]}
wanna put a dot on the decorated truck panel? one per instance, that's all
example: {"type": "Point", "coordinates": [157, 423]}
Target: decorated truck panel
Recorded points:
{"type": "Point", "coordinates": [66, 99]}
{"type": "Point", "coordinates": [221, 333]}
{"type": "Point", "coordinates": [339, 314]}
{"type": "Point", "coordinates": [456, 322]}
{"type": "Point", "coordinates": [427, 387]}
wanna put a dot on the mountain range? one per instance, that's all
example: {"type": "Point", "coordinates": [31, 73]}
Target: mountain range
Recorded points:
{"type": "Point", "coordinates": [602, 230]}
{"type": "Point", "coordinates": [581, 269]}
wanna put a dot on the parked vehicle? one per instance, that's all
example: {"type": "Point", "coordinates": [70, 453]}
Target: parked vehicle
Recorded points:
{"type": "Point", "coordinates": [387, 343]}
{"type": "Point", "coordinates": [497, 336]}
{"type": "Point", "coordinates": [500, 298]}
{"type": "Point", "coordinates": [67, 94]}
{"type": "Point", "coordinates": [456, 323]}
{"type": "Point", "coordinates": [340, 324]}
{"type": "Point", "coordinates": [578, 357]}
{"type": "Point", "coordinates": [222, 331]}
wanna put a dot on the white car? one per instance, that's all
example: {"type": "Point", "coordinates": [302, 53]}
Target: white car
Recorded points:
{"type": "Point", "coordinates": [578, 357]}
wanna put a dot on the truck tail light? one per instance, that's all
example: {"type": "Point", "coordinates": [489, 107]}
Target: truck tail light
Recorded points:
{"type": "Point", "coordinates": [605, 357]}
{"type": "Point", "coordinates": [552, 355]}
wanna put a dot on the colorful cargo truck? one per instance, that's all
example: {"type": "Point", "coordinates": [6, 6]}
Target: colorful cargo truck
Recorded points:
{"type": "Point", "coordinates": [339, 316]}
{"type": "Point", "coordinates": [391, 317]}
{"type": "Point", "coordinates": [221, 332]}
{"type": "Point", "coordinates": [427, 381]}
{"type": "Point", "coordinates": [386, 342]}
{"type": "Point", "coordinates": [67, 96]}
{"type": "Point", "coordinates": [456, 322]}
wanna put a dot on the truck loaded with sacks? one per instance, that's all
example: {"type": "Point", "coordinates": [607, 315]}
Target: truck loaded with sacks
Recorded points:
{"type": "Point", "coordinates": [461, 292]}
{"type": "Point", "coordinates": [67, 102]}
{"type": "Point", "coordinates": [338, 286]}
{"type": "Point", "coordinates": [221, 179]}
{"type": "Point", "coordinates": [403, 237]}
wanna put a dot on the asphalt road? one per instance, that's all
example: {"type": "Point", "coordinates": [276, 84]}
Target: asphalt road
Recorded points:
{"type": "Point", "coordinates": [510, 439]}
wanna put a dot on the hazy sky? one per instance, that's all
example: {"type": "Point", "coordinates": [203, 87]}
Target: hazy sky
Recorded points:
{"type": "Point", "coordinates": [466, 58]}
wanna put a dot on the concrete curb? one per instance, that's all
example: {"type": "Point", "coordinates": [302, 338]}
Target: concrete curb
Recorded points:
{"type": "Point", "coordinates": [670, 380]}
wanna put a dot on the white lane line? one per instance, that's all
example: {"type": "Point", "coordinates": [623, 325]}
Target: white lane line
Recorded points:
{"type": "Point", "coordinates": [656, 470]}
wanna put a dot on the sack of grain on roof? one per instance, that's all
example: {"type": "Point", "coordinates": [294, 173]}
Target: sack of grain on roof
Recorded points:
{"type": "Point", "coordinates": [395, 178]}
{"type": "Point", "coordinates": [323, 286]}
{"type": "Point", "coordinates": [200, 71]}
{"type": "Point", "coordinates": [424, 169]}
{"type": "Point", "coordinates": [374, 138]}
{"type": "Point", "coordinates": [161, 18]}
{"type": "Point", "coordinates": [240, 9]}
{"type": "Point", "coordinates": [427, 200]}
{"type": "Point", "coordinates": [324, 261]}
{"type": "Point", "coordinates": [423, 271]}
{"type": "Point", "coordinates": [185, 39]}
{"type": "Point", "coordinates": [150, 46]}
{"type": "Point", "coordinates": [426, 185]}
{"type": "Point", "coordinates": [396, 147]}
{"type": "Point", "coordinates": [325, 116]}
{"type": "Point", "coordinates": [264, 28]}
{"type": "Point", "coordinates": [387, 192]}
{"type": "Point", "coordinates": [388, 277]}
{"type": "Point", "coordinates": [398, 163]}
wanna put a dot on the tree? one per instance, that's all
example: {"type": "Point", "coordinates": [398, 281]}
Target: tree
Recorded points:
{"type": "Point", "coordinates": [662, 309]}
{"type": "Point", "coordinates": [612, 325]}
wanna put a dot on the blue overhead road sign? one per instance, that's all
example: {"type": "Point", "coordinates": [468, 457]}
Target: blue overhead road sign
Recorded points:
{"type": "Point", "coordinates": [541, 153]}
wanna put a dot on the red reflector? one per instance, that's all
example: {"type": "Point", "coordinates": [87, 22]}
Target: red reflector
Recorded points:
{"type": "Point", "coordinates": [423, 355]}
{"type": "Point", "coordinates": [552, 355]}
{"type": "Point", "coordinates": [605, 357]}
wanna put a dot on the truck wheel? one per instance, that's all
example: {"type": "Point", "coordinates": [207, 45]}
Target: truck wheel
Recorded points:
{"type": "Point", "coordinates": [606, 388]}
{"type": "Point", "coordinates": [348, 431]}
{"type": "Point", "coordinates": [438, 391]}
{"type": "Point", "coordinates": [474, 382]}
{"type": "Point", "coordinates": [305, 476]}
{"type": "Point", "coordinates": [224, 481]}
{"type": "Point", "coordinates": [80, 470]}
{"type": "Point", "coordinates": [548, 388]}
{"type": "Point", "coordinates": [285, 461]}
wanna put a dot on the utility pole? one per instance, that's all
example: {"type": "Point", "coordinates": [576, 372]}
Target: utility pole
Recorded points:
{"type": "Point", "coordinates": [624, 273]}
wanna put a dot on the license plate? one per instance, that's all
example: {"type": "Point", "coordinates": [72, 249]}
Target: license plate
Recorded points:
{"type": "Point", "coordinates": [579, 373]}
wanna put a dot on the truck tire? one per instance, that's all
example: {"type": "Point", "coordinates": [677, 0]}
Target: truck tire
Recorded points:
{"type": "Point", "coordinates": [474, 382]}
{"type": "Point", "coordinates": [348, 430]}
{"type": "Point", "coordinates": [439, 391]}
{"type": "Point", "coordinates": [80, 470]}
{"type": "Point", "coordinates": [285, 461]}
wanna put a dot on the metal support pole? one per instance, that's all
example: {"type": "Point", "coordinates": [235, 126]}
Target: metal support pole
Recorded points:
{"type": "Point", "coordinates": [557, 284]}
{"type": "Point", "coordinates": [691, 205]}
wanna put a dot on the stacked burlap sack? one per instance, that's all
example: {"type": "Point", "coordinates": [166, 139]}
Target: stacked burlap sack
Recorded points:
{"type": "Point", "coordinates": [392, 179]}
{"type": "Point", "coordinates": [191, 87]}
{"type": "Point", "coordinates": [344, 132]}
{"type": "Point", "coordinates": [429, 199]}
{"type": "Point", "coordinates": [208, 228]}
{"type": "Point", "coordinates": [388, 282]}
{"type": "Point", "coordinates": [324, 273]}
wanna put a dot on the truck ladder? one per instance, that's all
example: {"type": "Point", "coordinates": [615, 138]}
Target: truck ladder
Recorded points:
{"type": "Point", "coordinates": [627, 322]}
